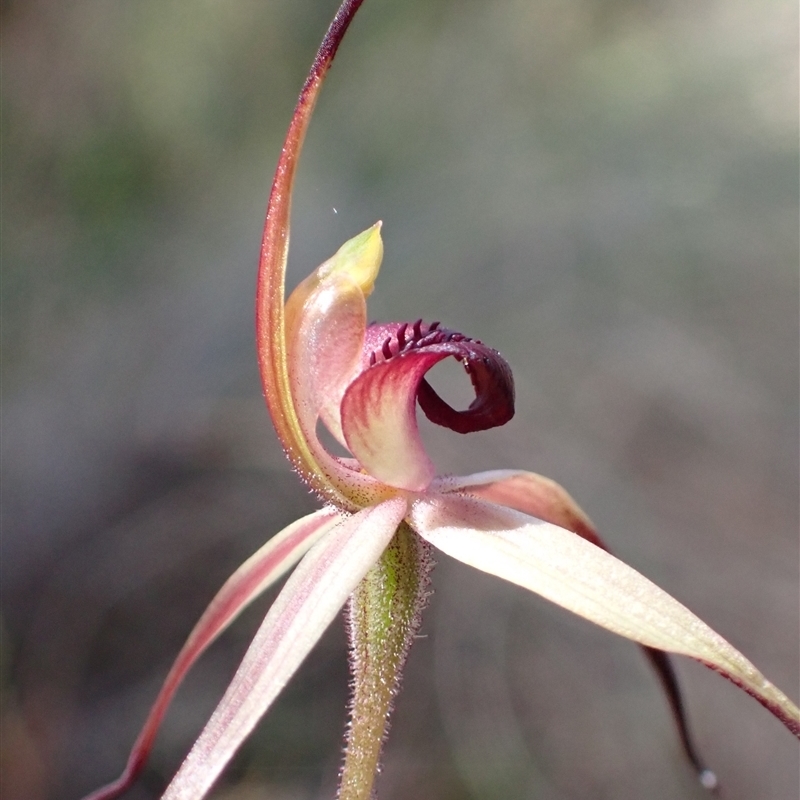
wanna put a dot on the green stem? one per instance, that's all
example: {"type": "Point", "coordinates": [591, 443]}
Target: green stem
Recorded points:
{"type": "Point", "coordinates": [384, 615]}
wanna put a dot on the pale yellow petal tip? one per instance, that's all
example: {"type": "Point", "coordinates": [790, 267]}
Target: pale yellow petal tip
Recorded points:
{"type": "Point", "coordinates": [360, 258]}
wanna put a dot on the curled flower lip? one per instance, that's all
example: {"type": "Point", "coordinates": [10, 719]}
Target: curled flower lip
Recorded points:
{"type": "Point", "coordinates": [321, 363]}
{"type": "Point", "coordinates": [378, 409]}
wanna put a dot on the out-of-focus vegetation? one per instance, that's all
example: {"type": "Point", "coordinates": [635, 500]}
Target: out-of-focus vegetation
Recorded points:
{"type": "Point", "coordinates": [604, 190]}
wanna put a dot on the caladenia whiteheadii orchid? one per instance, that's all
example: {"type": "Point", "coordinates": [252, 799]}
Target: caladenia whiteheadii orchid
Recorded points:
{"type": "Point", "coordinates": [370, 547]}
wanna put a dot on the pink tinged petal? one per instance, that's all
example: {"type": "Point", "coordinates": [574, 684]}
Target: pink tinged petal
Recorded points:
{"type": "Point", "coordinates": [325, 352]}
{"type": "Point", "coordinates": [326, 316]}
{"type": "Point", "coordinates": [588, 581]}
{"type": "Point", "coordinates": [311, 598]}
{"type": "Point", "coordinates": [270, 323]}
{"type": "Point", "coordinates": [544, 499]}
{"type": "Point", "coordinates": [252, 578]}
{"type": "Point", "coordinates": [379, 408]}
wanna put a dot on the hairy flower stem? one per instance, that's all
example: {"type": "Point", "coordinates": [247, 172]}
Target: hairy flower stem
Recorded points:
{"type": "Point", "coordinates": [384, 615]}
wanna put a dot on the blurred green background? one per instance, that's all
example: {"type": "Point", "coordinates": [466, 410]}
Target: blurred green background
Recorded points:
{"type": "Point", "coordinates": [604, 190]}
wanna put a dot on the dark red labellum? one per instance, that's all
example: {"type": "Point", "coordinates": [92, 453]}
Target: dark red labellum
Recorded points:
{"type": "Point", "coordinates": [489, 372]}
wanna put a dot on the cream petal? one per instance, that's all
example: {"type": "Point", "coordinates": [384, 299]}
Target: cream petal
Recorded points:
{"type": "Point", "coordinates": [252, 578]}
{"type": "Point", "coordinates": [311, 598]}
{"type": "Point", "coordinates": [544, 499]}
{"type": "Point", "coordinates": [585, 579]}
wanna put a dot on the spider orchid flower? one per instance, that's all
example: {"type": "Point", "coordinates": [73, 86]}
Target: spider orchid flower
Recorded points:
{"type": "Point", "coordinates": [386, 510]}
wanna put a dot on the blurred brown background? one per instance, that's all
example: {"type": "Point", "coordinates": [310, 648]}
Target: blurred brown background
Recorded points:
{"type": "Point", "coordinates": [604, 190]}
